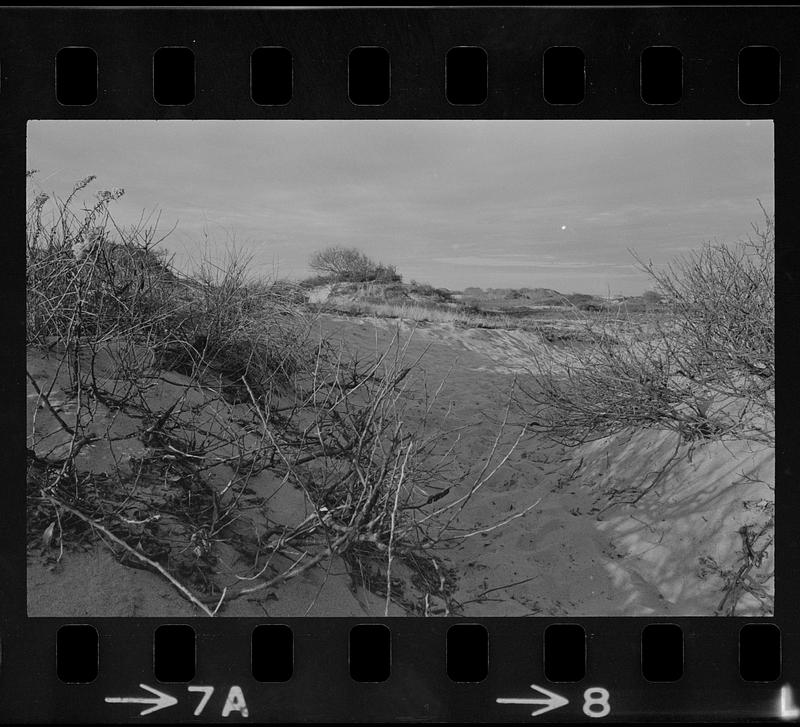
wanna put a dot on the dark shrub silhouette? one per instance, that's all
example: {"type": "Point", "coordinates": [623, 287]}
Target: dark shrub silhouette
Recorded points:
{"type": "Point", "coordinates": [342, 264]}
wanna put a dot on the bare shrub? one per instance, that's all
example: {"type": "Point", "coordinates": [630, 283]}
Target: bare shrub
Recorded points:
{"type": "Point", "coordinates": [723, 299]}
{"type": "Point", "coordinates": [231, 327]}
{"type": "Point", "coordinates": [702, 365]}
{"type": "Point", "coordinates": [343, 264]}
{"type": "Point", "coordinates": [356, 436]}
{"type": "Point", "coordinates": [93, 286]}
{"type": "Point", "coordinates": [113, 312]}
{"type": "Point", "coordinates": [383, 489]}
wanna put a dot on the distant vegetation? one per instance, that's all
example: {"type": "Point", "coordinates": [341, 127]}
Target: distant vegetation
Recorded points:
{"type": "Point", "coordinates": [350, 265]}
{"type": "Point", "coordinates": [517, 299]}
{"type": "Point", "coordinates": [357, 285]}
{"type": "Point", "coordinates": [410, 311]}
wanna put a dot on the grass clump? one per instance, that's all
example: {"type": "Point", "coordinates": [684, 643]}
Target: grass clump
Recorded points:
{"type": "Point", "coordinates": [430, 313]}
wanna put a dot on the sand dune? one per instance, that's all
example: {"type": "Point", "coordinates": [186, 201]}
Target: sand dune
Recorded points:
{"type": "Point", "coordinates": [580, 551]}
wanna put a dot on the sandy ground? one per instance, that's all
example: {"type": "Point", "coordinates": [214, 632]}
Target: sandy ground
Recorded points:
{"type": "Point", "coordinates": [578, 552]}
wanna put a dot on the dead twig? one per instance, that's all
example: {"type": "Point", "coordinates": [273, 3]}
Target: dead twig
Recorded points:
{"type": "Point", "coordinates": [185, 592]}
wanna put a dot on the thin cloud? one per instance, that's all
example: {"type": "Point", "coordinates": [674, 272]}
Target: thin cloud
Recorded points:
{"type": "Point", "coordinates": [412, 192]}
{"type": "Point", "coordinates": [517, 261]}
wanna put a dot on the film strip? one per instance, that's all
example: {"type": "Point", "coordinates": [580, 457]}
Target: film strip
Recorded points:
{"type": "Point", "coordinates": [402, 639]}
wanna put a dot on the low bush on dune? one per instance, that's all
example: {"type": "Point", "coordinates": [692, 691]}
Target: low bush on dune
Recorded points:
{"type": "Point", "coordinates": [703, 365]}
{"type": "Point", "coordinates": [426, 290]}
{"type": "Point", "coordinates": [350, 265]}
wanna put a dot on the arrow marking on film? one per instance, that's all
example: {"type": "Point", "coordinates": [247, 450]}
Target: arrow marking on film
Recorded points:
{"type": "Point", "coordinates": [160, 701]}
{"type": "Point", "coordinates": [550, 701]}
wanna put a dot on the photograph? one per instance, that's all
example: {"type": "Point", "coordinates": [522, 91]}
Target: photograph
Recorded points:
{"type": "Point", "coordinates": [385, 368]}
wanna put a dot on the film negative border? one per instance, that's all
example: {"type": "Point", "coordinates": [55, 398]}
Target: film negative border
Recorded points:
{"type": "Point", "coordinates": [515, 41]}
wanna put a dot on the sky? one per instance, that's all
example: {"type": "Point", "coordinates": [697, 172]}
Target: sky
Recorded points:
{"type": "Point", "coordinates": [494, 204]}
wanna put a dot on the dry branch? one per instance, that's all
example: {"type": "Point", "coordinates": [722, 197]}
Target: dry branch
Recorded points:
{"type": "Point", "coordinates": [185, 592]}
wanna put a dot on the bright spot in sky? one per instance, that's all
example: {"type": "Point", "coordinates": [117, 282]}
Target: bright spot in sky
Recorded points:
{"type": "Point", "coordinates": [563, 227]}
